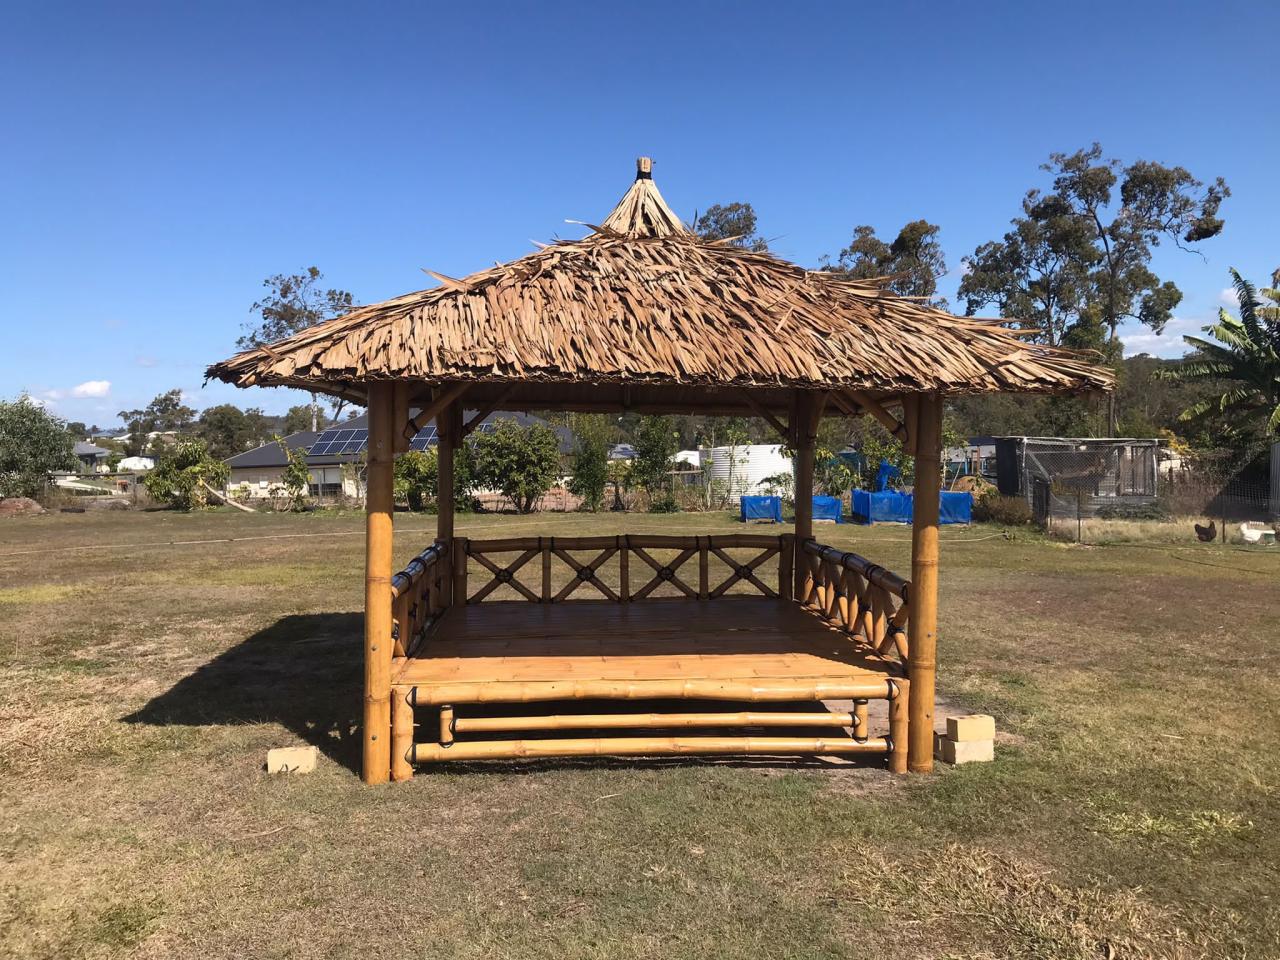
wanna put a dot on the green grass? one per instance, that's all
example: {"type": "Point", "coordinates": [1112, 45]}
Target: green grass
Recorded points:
{"type": "Point", "coordinates": [1132, 809]}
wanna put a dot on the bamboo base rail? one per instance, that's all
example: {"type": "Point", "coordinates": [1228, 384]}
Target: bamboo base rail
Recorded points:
{"type": "Point", "coordinates": [657, 721]}
{"type": "Point", "coordinates": [642, 746]}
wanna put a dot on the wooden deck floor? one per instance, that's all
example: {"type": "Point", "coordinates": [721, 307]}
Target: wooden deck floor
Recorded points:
{"type": "Point", "coordinates": [728, 648]}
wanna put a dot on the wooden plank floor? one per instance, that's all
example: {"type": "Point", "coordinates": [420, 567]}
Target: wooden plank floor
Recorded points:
{"type": "Point", "coordinates": [744, 639]}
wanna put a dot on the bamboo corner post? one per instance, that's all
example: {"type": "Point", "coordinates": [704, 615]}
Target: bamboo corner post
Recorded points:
{"type": "Point", "coordinates": [803, 421]}
{"type": "Point", "coordinates": [376, 747]}
{"type": "Point", "coordinates": [900, 727]}
{"type": "Point", "coordinates": [923, 625]}
{"type": "Point", "coordinates": [786, 566]}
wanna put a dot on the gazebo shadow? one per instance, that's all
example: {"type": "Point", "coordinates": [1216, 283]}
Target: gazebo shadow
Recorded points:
{"type": "Point", "coordinates": [303, 672]}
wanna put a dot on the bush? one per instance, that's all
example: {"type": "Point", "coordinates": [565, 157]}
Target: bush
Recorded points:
{"type": "Point", "coordinates": [32, 443]}
{"type": "Point", "coordinates": [664, 503]}
{"type": "Point", "coordinates": [521, 462]}
{"type": "Point", "coordinates": [993, 507]}
{"type": "Point", "coordinates": [417, 479]}
{"type": "Point", "coordinates": [1134, 511]}
{"type": "Point", "coordinates": [184, 474]}
{"type": "Point", "coordinates": [590, 466]}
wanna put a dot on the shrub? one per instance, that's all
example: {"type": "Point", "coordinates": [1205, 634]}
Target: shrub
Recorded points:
{"type": "Point", "coordinates": [521, 462]}
{"type": "Point", "coordinates": [32, 443]}
{"type": "Point", "coordinates": [590, 467]}
{"type": "Point", "coordinates": [417, 479]}
{"type": "Point", "coordinates": [296, 478]}
{"type": "Point", "coordinates": [664, 503]}
{"type": "Point", "coordinates": [993, 507]}
{"type": "Point", "coordinates": [184, 475]}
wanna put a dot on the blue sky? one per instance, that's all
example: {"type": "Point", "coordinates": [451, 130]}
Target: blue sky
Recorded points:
{"type": "Point", "coordinates": [162, 159]}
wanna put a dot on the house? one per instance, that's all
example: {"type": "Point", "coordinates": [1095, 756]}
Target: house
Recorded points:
{"type": "Point", "coordinates": [136, 465]}
{"type": "Point", "coordinates": [335, 457]}
{"type": "Point", "coordinates": [91, 456]}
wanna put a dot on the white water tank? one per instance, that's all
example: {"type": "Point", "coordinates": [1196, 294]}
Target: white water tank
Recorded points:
{"type": "Point", "coordinates": [743, 469]}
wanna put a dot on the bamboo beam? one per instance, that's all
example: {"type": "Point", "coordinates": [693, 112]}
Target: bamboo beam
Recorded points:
{"type": "Point", "coordinates": [805, 424]}
{"type": "Point", "coordinates": [642, 746]}
{"type": "Point", "coordinates": [448, 426]}
{"type": "Point", "coordinates": [871, 687]}
{"type": "Point", "coordinates": [432, 410]}
{"type": "Point", "coordinates": [376, 748]}
{"type": "Point", "coordinates": [923, 623]}
{"type": "Point", "coordinates": [784, 430]}
{"type": "Point", "coordinates": [651, 721]}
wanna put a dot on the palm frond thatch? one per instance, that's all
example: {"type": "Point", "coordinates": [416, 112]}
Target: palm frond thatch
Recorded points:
{"type": "Point", "coordinates": [641, 300]}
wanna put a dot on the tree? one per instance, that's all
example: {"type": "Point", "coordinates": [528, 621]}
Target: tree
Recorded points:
{"type": "Point", "coordinates": [228, 430]}
{"type": "Point", "coordinates": [416, 477]}
{"type": "Point", "coordinates": [298, 418]}
{"type": "Point", "coordinates": [295, 477]}
{"type": "Point", "coordinates": [655, 445]}
{"type": "Point", "coordinates": [915, 257]}
{"type": "Point", "coordinates": [184, 475]}
{"type": "Point", "coordinates": [590, 467]}
{"type": "Point", "coordinates": [294, 303]}
{"type": "Point", "coordinates": [77, 430]}
{"type": "Point", "coordinates": [32, 443]}
{"type": "Point", "coordinates": [734, 222]}
{"type": "Point", "coordinates": [1245, 353]}
{"type": "Point", "coordinates": [1038, 274]}
{"type": "Point", "coordinates": [521, 462]}
{"type": "Point", "coordinates": [166, 413]}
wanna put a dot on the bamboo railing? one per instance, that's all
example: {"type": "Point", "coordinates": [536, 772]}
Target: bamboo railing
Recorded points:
{"type": "Point", "coordinates": [419, 594]}
{"type": "Point", "coordinates": [863, 598]}
{"type": "Point", "coordinates": [633, 571]}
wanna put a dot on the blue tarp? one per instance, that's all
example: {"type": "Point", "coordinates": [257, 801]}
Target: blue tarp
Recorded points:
{"type": "Point", "coordinates": [761, 508]}
{"type": "Point", "coordinates": [888, 506]}
{"type": "Point", "coordinates": [956, 508]}
{"type": "Point", "coordinates": [886, 473]}
{"type": "Point", "coordinates": [891, 506]}
{"type": "Point", "coordinates": [827, 508]}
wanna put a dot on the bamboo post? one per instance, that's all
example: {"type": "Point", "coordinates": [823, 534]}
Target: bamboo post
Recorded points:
{"type": "Point", "coordinates": [445, 445]}
{"type": "Point", "coordinates": [786, 566]}
{"type": "Point", "coordinates": [624, 569]}
{"type": "Point", "coordinates": [401, 735]}
{"type": "Point", "coordinates": [704, 567]}
{"type": "Point", "coordinates": [376, 752]}
{"type": "Point", "coordinates": [546, 569]}
{"type": "Point", "coordinates": [860, 727]}
{"type": "Point", "coordinates": [461, 556]}
{"type": "Point", "coordinates": [802, 420]}
{"type": "Point", "coordinates": [900, 727]}
{"type": "Point", "coordinates": [923, 625]}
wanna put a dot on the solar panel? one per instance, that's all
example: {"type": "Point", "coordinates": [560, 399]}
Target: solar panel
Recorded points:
{"type": "Point", "coordinates": [348, 442]}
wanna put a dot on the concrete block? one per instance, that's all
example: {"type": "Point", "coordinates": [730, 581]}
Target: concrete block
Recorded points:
{"type": "Point", "coordinates": [975, 726]}
{"type": "Point", "coordinates": [292, 759]}
{"type": "Point", "coordinates": [967, 751]}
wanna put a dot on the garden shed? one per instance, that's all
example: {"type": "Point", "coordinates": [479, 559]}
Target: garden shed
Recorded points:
{"type": "Point", "coordinates": [507, 648]}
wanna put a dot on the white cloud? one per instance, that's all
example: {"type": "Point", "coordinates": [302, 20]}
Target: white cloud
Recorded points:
{"type": "Point", "coordinates": [145, 361]}
{"type": "Point", "coordinates": [1228, 297]}
{"type": "Point", "coordinates": [91, 388]}
{"type": "Point", "coordinates": [1167, 343]}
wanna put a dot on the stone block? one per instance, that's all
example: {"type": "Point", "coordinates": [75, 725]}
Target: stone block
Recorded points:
{"type": "Point", "coordinates": [292, 759]}
{"type": "Point", "coordinates": [966, 751]}
{"type": "Point", "coordinates": [975, 726]}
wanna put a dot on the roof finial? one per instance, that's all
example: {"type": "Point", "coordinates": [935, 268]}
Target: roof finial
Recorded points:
{"type": "Point", "coordinates": [644, 168]}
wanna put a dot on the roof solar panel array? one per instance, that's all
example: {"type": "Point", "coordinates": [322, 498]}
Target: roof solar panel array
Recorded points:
{"type": "Point", "coordinates": [337, 441]}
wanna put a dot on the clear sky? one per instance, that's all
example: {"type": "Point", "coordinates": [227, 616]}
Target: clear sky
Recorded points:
{"type": "Point", "coordinates": [161, 159]}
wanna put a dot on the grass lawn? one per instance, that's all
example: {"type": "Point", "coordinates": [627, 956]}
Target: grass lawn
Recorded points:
{"type": "Point", "coordinates": [1134, 812]}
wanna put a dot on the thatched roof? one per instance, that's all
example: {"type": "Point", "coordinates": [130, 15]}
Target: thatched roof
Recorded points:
{"type": "Point", "coordinates": [641, 303]}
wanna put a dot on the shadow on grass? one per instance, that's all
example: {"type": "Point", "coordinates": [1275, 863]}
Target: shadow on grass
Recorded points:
{"type": "Point", "coordinates": [303, 672]}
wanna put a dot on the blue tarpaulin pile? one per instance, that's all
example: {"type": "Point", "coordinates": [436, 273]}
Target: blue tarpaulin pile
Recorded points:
{"type": "Point", "coordinates": [761, 508]}
{"type": "Point", "coordinates": [827, 508]}
{"type": "Point", "coordinates": [890, 506]}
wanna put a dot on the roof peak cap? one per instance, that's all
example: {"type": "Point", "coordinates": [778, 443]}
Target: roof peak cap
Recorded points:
{"type": "Point", "coordinates": [642, 212]}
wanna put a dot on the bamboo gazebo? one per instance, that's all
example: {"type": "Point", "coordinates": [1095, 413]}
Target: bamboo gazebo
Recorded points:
{"type": "Point", "coordinates": [641, 315]}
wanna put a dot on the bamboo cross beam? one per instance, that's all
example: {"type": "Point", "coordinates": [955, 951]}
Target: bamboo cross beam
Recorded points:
{"type": "Point", "coordinates": [784, 430]}
{"type": "Point", "coordinates": [433, 409]}
{"type": "Point", "coordinates": [484, 411]}
{"type": "Point", "coordinates": [874, 407]}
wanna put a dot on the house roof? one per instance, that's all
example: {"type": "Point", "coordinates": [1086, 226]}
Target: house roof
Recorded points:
{"type": "Point", "coordinates": [85, 449]}
{"type": "Point", "coordinates": [643, 301]}
{"type": "Point", "coordinates": [270, 454]}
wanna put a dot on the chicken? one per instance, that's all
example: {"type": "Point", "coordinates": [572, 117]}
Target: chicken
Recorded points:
{"type": "Point", "coordinates": [1206, 534]}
